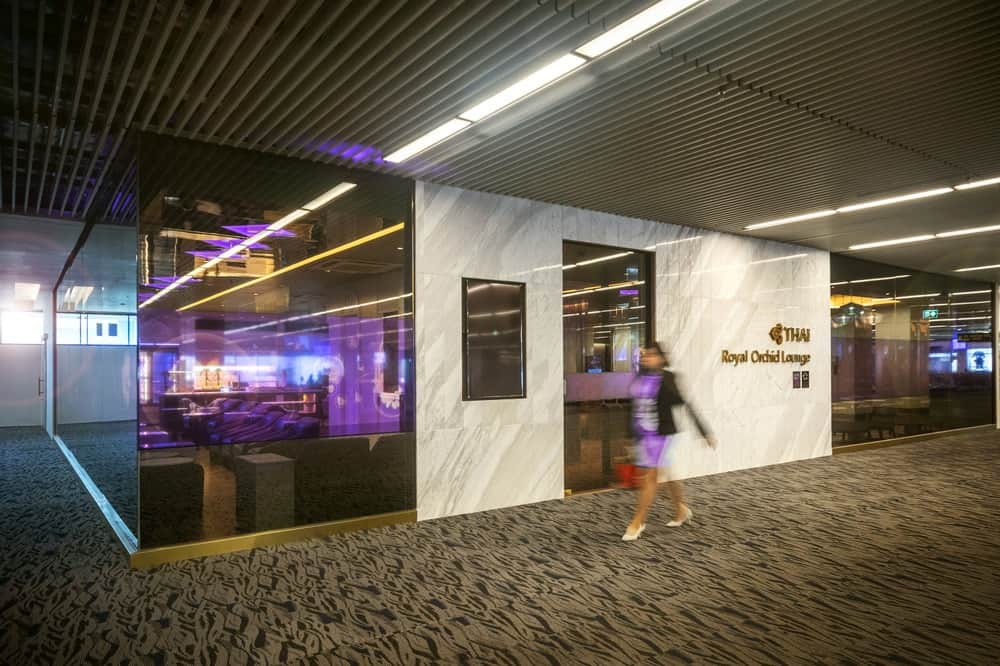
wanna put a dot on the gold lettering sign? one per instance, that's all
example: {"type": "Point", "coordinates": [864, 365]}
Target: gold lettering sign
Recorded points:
{"type": "Point", "coordinates": [779, 334]}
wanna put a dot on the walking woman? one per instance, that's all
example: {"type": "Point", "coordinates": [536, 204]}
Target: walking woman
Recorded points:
{"type": "Point", "coordinates": [654, 393]}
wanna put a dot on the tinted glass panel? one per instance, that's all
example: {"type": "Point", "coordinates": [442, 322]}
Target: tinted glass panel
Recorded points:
{"type": "Point", "coordinates": [493, 339]}
{"type": "Point", "coordinates": [912, 351]}
{"type": "Point", "coordinates": [606, 301]}
{"type": "Point", "coordinates": [275, 342]}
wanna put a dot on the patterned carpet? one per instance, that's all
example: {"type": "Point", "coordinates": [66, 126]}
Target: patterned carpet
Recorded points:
{"type": "Point", "coordinates": [875, 557]}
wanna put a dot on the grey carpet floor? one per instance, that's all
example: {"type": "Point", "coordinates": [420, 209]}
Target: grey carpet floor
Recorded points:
{"type": "Point", "coordinates": [887, 556]}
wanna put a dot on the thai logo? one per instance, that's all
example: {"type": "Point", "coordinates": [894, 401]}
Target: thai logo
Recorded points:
{"type": "Point", "coordinates": [780, 334]}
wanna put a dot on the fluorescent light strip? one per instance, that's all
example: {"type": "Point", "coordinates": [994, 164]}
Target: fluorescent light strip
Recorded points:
{"type": "Point", "coordinates": [624, 32]}
{"type": "Point", "coordinates": [978, 183]}
{"type": "Point", "coordinates": [977, 268]}
{"type": "Point", "coordinates": [327, 197]}
{"type": "Point", "coordinates": [895, 241]}
{"type": "Point", "coordinates": [966, 232]}
{"type": "Point", "coordinates": [591, 290]}
{"type": "Point", "coordinates": [590, 312]}
{"type": "Point", "coordinates": [971, 293]}
{"type": "Point", "coordinates": [524, 87]}
{"type": "Point", "coordinates": [891, 200]}
{"type": "Point", "coordinates": [639, 24]}
{"type": "Point", "coordinates": [878, 279]}
{"type": "Point", "coordinates": [790, 220]}
{"type": "Point", "coordinates": [962, 318]}
{"type": "Point", "coordinates": [919, 296]}
{"type": "Point", "coordinates": [434, 137]}
{"type": "Point", "coordinates": [287, 219]}
{"type": "Point", "coordinates": [785, 258]}
{"type": "Point", "coordinates": [957, 303]}
{"type": "Point", "coordinates": [305, 262]}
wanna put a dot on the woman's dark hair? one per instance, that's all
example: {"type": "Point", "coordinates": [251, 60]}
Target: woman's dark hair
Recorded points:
{"type": "Point", "coordinates": [658, 348]}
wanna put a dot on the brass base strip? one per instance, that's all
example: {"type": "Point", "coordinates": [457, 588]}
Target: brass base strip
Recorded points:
{"type": "Point", "coordinates": [897, 441]}
{"type": "Point", "coordinates": [151, 557]}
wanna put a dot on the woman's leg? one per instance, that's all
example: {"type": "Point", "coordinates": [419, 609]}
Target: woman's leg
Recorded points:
{"type": "Point", "coordinates": [647, 493]}
{"type": "Point", "coordinates": [676, 489]}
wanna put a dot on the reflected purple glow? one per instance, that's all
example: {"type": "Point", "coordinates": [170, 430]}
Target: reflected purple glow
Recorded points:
{"type": "Point", "coordinates": [226, 243]}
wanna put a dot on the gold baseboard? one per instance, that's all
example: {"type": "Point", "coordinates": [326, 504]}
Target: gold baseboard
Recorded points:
{"type": "Point", "coordinates": [898, 441]}
{"type": "Point", "coordinates": [151, 557]}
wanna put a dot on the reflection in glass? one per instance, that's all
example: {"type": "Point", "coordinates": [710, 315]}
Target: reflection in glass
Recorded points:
{"type": "Point", "coordinates": [276, 338]}
{"type": "Point", "coordinates": [606, 306]}
{"type": "Point", "coordinates": [912, 351]}
{"type": "Point", "coordinates": [493, 339]}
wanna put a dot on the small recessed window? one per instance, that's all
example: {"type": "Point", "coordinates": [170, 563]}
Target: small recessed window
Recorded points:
{"type": "Point", "coordinates": [113, 330]}
{"type": "Point", "coordinates": [493, 336]}
{"type": "Point", "coordinates": [99, 328]}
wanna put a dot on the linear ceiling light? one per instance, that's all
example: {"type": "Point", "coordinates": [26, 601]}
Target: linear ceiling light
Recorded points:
{"type": "Point", "coordinates": [969, 293]}
{"type": "Point", "coordinates": [329, 195]}
{"type": "Point", "coordinates": [435, 136]}
{"type": "Point", "coordinates": [955, 304]}
{"type": "Point", "coordinates": [305, 262]}
{"type": "Point", "coordinates": [789, 220]}
{"type": "Point", "coordinates": [892, 200]}
{"type": "Point", "coordinates": [966, 232]}
{"type": "Point", "coordinates": [529, 84]}
{"type": "Point", "coordinates": [628, 30]}
{"type": "Point", "coordinates": [26, 291]}
{"type": "Point", "coordinates": [919, 296]}
{"type": "Point", "coordinates": [977, 268]}
{"type": "Point", "coordinates": [878, 279]}
{"type": "Point", "coordinates": [978, 183]}
{"type": "Point", "coordinates": [673, 242]}
{"type": "Point", "coordinates": [894, 241]}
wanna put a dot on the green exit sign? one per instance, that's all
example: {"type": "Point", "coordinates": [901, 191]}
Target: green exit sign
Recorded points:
{"type": "Point", "coordinates": [929, 314]}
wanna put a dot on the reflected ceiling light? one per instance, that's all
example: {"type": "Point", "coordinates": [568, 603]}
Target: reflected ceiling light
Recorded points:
{"type": "Point", "coordinates": [591, 290]}
{"type": "Point", "coordinates": [970, 293]}
{"type": "Point", "coordinates": [432, 138]}
{"type": "Point", "coordinates": [789, 220]}
{"type": "Point", "coordinates": [878, 279]}
{"type": "Point", "coordinates": [598, 260]}
{"type": "Point", "coordinates": [919, 296]}
{"type": "Point", "coordinates": [894, 241]}
{"type": "Point", "coordinates": [835, 284]}
{"type": "Point", "coordinates": [342, 308]}
{"type": "Point", "coordinates": [966, 232]}
{"type": "Point", "coordinates": [628, 30]}
{"type": "Point", "coordinates": [891, 200]}
{"type": "Point", "coordinates": [785, 258]}
{"type": "Point", "coordinates": [287, 219]}
{"type": "Point", "coordinates": [978, 183]}
{"type": "Point", "coordinates": [26, 291]}
{"type": "Point", "coordinates": [305, 262]}
{"type": "Point", "coordinates": [962, 318]}
{"type": "Point", "coordinates": [330, 195]}
{"type": "Point", "coordinates": [957, 303]}
{"type": "Point", "coordinates": [521, 89]}
{"type": "Point", "coordinates": [673, 242]}
{"type": "Point", "coordinates": [977, 268]}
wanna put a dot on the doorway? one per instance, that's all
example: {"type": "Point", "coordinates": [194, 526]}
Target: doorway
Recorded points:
{"type": "Point", "coordinates": [607, 318]}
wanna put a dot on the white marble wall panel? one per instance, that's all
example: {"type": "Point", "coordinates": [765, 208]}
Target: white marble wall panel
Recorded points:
{"type": "Point", "coordinates": [713, 291]}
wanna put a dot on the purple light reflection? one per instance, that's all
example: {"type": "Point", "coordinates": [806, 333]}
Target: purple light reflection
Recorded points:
{"type": "Point", "coordinates": [226, 243]}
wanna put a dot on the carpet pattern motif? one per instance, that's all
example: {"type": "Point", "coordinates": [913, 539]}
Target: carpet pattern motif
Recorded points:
{"type": "Point", "coordinates": [875, 557]}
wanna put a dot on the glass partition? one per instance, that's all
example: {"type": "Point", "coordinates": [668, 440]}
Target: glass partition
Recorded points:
{"type": "Point", "coordinates": [912, 351]}
{"type": "Point", "coordinates": [275, 342]}
{"type": "Point", "coordinates": [607, 313]}
{"type": "Point", "coordinates": [95, 348]}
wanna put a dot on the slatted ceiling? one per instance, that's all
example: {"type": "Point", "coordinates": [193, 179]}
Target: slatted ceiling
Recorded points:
{"type": "Point", "coordinates": [876, 96]}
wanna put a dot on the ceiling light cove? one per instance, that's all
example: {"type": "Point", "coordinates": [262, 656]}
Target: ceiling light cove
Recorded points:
{"type": "Point", "coordinates": [892, 200]}
{"type": "Point", "coordinates": [790, 220]}
{"type": "Point", "coordinates": [432, 138]}
{"type": "Point", "coordinates": [977, 268]}
{"type": "Point", "coordinates": [978, 183]}
{"type": "Point", "coordinates": [529, 84]}
{"type": "Point", "coordinates": [638, 25]}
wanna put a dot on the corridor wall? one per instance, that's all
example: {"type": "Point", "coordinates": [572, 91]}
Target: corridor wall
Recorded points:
{"type": "Point", "coordinates": [713, 292]}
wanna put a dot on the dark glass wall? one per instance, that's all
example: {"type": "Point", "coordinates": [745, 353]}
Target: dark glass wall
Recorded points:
{"type": "Point", "coordinates": [95, 351]}
{"type": "Point", "coordinates": [912, 351]}
{"type": "Point", "coordinates": [275, 342]}
{"type": "Point", "coordinates": [607, 318]}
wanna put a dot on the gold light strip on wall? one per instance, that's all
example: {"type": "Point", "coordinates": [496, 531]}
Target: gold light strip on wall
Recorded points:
{"type": "Point", "coordinates": [305, 262]}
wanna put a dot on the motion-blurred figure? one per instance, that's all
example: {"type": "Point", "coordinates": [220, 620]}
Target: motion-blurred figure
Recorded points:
{"type": "Point", "coordinates": [654, 394]}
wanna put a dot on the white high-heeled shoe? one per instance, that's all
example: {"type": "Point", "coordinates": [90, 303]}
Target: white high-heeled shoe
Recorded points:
{"type": "Point", "coordinates": [634, 535]}
{"type": "Point", "coordinates": [688, 514]}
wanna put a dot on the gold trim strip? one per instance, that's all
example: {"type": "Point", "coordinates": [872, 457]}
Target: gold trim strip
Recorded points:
{"type": "Point", "coordinates": [151, 557]}
{"type": "Point", "coordinates": [898, 441]}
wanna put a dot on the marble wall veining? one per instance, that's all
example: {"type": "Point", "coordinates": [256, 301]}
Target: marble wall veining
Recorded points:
{"type": "Point", "coordinates": [713, 291]}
